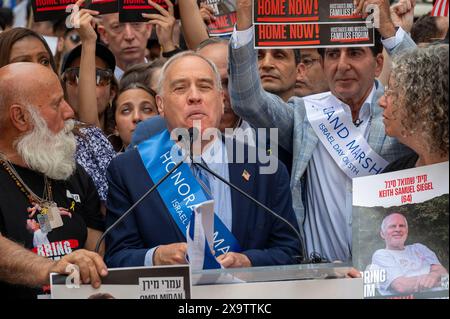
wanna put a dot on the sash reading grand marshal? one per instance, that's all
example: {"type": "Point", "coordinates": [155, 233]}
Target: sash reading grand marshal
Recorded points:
{"type": "Point", "coordinates": [181, 192]}
{"type": "Point", "coordinates": [343, 141]}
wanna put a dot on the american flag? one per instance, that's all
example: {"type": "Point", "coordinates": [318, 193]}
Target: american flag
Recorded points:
{"type": "Point", "coordinates": [440, 9]}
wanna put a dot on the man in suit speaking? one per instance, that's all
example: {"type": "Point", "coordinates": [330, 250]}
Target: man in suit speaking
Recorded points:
{"type": "Point", "coordinates": [155, 233]}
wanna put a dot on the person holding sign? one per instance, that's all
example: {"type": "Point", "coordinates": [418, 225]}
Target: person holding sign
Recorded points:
{"type": "Point", "coordinates": [416, 106]}
{"type": "Point", "coordinates": [409, 268]}
{"type": "Point", "coordinates": [155, 233]}
{"type": "Point", "coordinates": [334, 136]}
{"type": "Point", "coordinates": [126, 40]}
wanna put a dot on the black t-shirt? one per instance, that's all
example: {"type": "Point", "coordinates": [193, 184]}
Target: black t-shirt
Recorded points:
{"type": "Point", "coordinates": [77, 195]}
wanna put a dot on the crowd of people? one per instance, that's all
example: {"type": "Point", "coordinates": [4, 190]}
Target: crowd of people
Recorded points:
{"type": "Point", "coordinates": [86, 131]}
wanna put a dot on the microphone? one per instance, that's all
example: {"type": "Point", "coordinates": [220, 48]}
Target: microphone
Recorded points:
{"type": "Point", "coordinates": [358, 122]}
{"type": "Point", "coordinates": [192, 136]}
{"type": "Point", "coordinates": [97, 246]}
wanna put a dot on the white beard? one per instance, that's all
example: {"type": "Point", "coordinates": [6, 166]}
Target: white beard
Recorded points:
{"type": "Point", "coordinates": [46, 152]}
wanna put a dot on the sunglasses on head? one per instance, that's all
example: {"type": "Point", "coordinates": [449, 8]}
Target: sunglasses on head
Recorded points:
{"type": "Point", "coordinates": [102, 77]}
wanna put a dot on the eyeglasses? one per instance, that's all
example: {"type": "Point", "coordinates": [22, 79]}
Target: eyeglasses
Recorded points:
{"type": "Point", "coordinates": [102, 77]}
{"type": "Point", "coordinates": [309, 62]}
{"type": "Point", "coordinates": [75, 38]}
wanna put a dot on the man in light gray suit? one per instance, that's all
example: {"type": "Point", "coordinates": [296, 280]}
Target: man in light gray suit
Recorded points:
{"type": "Point", "coordinates": [333, 136]}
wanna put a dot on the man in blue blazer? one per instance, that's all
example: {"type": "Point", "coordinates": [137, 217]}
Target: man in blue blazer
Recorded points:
{"type": "Point", "coordinates": [189, 91]}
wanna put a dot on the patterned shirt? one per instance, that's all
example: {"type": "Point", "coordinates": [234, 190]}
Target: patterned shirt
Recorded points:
{"type": "Point", "coordinates": [94, 153]}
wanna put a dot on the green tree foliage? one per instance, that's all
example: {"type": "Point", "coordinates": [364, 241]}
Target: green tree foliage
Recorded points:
{"type": "Point", "coordinates": [428, 224]}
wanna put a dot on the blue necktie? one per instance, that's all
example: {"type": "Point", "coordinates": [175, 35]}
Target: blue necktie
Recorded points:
{"type": "Point", "coordinates": [202, 178]}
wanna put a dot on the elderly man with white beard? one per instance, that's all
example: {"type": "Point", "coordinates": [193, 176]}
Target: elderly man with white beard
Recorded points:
{"type": "Point", "coordinates": [49, 207]}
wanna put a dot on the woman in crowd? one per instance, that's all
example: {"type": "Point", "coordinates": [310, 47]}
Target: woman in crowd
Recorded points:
{"type": "Point", "coordinates": [134, 103]}
{"type": "Point", "coordinates": [105, 85]}
{"type": "Point", "coordinates": [416, 106]}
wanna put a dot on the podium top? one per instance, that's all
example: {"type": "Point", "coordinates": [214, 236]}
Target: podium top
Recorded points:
{"type": "Point", "coordinates": [270, 273]}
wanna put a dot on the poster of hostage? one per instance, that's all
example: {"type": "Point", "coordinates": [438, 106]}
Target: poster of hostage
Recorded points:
{"type": "Point", "coordinates": [225, 14]}
{"type": "Point", "coordinates": [304, 11]}
{"type": "Point", "coordinates": [160, 282]}
{"type": "Point", "coordinates": [400, 233]}
{"type": "Point", "coordinates": [313, 35]}
{"type": "Point", "coordinates": [48, 10]}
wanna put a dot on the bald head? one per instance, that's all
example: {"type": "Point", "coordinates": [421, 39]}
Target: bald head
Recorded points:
{"type": "Point", "coordinates": [21, 83]}
{"type": "Point", "coordinates": [25, 85]}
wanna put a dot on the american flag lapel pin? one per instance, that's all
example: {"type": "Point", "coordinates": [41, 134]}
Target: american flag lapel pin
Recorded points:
{"type": "Point", "coordinates": [246, 175]}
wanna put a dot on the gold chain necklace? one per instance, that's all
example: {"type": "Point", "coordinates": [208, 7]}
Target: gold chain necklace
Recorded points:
{"type": "Point", "coordinates": [48, 213]}
{"type": "Point", "coordinates": [47, 196]}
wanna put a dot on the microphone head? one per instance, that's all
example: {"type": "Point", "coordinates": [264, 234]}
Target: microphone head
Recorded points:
{"type": "Point", "coordinates": [193, 133]}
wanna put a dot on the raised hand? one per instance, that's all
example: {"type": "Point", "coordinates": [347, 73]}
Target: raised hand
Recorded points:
{"type": "Point", "coordinates": [164, 22]}
{"type": "Point", "coordinates": [83, 20]}
{"type": "Point", "coordinates": [385, 25]}
{"type": "Point", "coordinates": [244, 14]}
{"type": "Point", "coordinates": [402, 14]}
{"type": "Point", "coordinates": [207, 13]}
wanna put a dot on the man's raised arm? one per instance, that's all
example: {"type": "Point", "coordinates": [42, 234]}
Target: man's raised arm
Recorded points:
{"type": "Point", "coordinates": [248, 98]}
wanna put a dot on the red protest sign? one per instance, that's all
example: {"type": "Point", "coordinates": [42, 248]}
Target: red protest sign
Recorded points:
{"type": "Point", "coordinates": [225, 13]}
{"type": "Point", "coordinates": [304, 11]}
{"type": "Point", "coordinates": [313, 35]}
{"type": "Point", "coordinates": [131, 10]}
{"type": "Point", "coordinates": [48, 10]}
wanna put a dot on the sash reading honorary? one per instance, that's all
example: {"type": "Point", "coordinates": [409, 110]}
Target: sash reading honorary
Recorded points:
{"type": "Point", "coordinates": [346, 145]}
{"type": "Point", "coordinates": [181, 192]}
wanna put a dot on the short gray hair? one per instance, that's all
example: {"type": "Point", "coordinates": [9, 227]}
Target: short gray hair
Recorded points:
{"type": "Point", "coordinates": [212, 41]}
{"type": "Point", "coordinates": [385, 221]}
{"type": "Point", "coordinates": [421, 76]}
{"type": "Point", "coordinates": [162, 76]}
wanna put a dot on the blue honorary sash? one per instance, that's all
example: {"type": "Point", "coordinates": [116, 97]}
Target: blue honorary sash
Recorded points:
{"type": "Point", "coordinates": [346, 145]}
{"type": "Point", "coordinates": [181, 192]}
{"type": "Point", "coordinates": [199, 252]}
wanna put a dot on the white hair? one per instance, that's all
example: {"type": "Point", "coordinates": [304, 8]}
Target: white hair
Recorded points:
{"type": "Point", "coordinates": [162, 75]}
{"type": "Point", "coordinates": [385, 221]}
{"type": "Point", "coordinates": [46, 152]}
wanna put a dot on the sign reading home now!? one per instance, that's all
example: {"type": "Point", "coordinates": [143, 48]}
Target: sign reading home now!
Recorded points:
{"type": "Point", "coordinates": [131, 10]}
{"type": "Point", "coordinates": [49, 10]}
{"type": "Point", "coordinates": [225, 13]}
{"type": "Point", "coordinates": [313, 35]}
{"type": "Point", "coordinates": [304, 11]}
